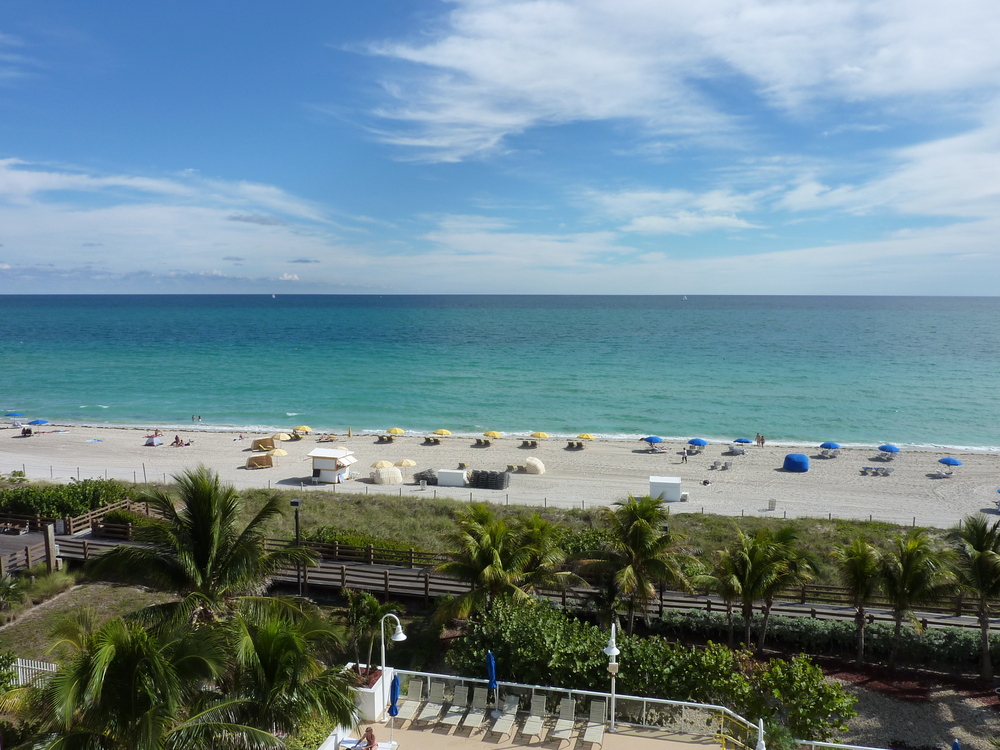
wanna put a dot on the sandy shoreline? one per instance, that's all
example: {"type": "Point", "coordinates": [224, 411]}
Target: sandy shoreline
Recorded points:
{"type": "Point", "coordinates": [603, 473]}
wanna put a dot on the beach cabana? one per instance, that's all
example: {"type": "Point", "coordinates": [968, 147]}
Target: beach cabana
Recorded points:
{"type": "Point", "coordinates": [331, 465]}
{"type": "Point", "coordinates": [262, 444]}
{"type": "Point", "coordinates": [260, 462]}
{"type": "Point", "coordinates": [796, 462]}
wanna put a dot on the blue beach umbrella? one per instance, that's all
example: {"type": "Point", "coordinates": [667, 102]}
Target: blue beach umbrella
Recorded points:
{"type": "Point", "coordinates": [39, 421]}
{"type": "Point", "coordinates": [700, 442]}
{"type": "Point", "coordinates": [830, 446]}
{"type": "Point", "coordinates": [393, 703]}
{"type": "Point", "coordinates": [653, 439]}
{"type": "Point", "coordinates": [888, 448]}
{"type": "Point", "coordinates": [14, 414]}
{"type": "Point", "coordinates": [491, 670]}
{"type": "Point", "coordinates": [743, 440]}
{"type": "Point", "coordinates": [949, 461]}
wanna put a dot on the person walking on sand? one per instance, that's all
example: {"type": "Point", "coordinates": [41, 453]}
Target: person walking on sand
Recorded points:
{"type": "Point", "coordinates": [684, 455]}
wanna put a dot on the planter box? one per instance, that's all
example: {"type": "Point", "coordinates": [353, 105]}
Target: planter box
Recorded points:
{"type": "Point", "coordinates": [372, 702]}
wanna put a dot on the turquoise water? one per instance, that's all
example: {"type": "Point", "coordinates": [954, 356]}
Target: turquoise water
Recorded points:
{"type": "Point", "coordinates": [858, 370]}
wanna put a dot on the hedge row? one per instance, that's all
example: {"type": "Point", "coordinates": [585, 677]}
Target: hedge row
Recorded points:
{"type": "Point", "coordinates": [937, 648]}
{"type": "Point", "coordinates": [61, 500]}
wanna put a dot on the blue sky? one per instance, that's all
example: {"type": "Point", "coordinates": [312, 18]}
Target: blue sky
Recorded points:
{"type": "Point", "coordinates": [480, 146]}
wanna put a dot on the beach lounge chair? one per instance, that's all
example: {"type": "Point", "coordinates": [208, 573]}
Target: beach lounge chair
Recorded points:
{"type": "Point", "coordinates": [887, 471]}
{"type": "Point", "coordinates": [525, 443]}
{"type": "Point", "coordinates": [834, 453]}
{"type": "Point", "coordinates": [727, 465]}
{"type": "Point", "coordinates": [459, 705]}
{"type": "Point", "coordinates": [434, 706]}
{"type": "Point", "coordinates": [487, 443]}
{"type": "Point", "coordinates": [566, 722]}
{"type": "Point", "coordinates": [536, 717]}
{"type": "Point", "coordinates": [715, 465]}
{"type": "Point", "coordinates": [477, 712]}
{"type": "Point", "coordinates": [865, 470]}
{"type": "Point", "coordinates": [504, 724]}
{"type": "Point", "coordinates": [407, 709]}
{"type": "Point", "coordinates": [534, 443]}
{"type": "Point", "coordinates": [594, 733]}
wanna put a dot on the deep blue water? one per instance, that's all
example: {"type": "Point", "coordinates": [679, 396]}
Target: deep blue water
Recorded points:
{"type": "Point", "coordinates": [917, 371]}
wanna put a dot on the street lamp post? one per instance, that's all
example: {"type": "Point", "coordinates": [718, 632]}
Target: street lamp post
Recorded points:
{"type": "Point", "coordinates": [611, 650]}
{"type": "Point", "coordinates": [296, 503]}
{"type": "Point", "coordinates": [397, 636]}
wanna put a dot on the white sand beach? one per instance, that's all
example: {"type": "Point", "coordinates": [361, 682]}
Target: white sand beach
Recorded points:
{"type": "Point", "coordinates": [603, 473]}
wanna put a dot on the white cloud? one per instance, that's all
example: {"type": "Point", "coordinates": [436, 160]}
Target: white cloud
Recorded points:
{"type": "Point", "coordinates": [489, 69]}
{"type": "Point", "coordinates": [684, 222]}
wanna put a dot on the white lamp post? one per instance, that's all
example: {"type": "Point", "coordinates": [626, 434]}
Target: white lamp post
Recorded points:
{"type": "Point", "coordinates": [611, 650]}
{"type": "Point", "coordinates": [397, 636]}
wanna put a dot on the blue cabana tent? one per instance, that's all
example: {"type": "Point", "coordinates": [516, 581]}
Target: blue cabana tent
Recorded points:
{"type": "Point", "coordinates": [797, 462]}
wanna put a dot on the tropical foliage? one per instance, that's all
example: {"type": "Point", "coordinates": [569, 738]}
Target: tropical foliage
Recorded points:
{"type": "Point", "coordinates": [239, 683]}
{"type": "Point", "coordinates": [500, 560]}
{"type": "Point", "coordinates": [61, 500]}
{"type": "Point", "coordinates": [638, 553]}
{"type": "Point", "coordinates": [363, 618]}
{"type": "Point", "coordinates": [859, 565]}
{"type": "Point", "coordinates": [978, 569]}
{"type": "Point", "coordinates": [537, 644]}
{"type": "Point", "coordinates": [202, 552]}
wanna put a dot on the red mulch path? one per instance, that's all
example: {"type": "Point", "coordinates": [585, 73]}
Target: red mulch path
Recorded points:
{"type": "Point", "coordinates": [909, 685]}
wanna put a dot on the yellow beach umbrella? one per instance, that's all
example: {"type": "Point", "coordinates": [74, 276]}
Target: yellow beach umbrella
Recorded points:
{"type": "Point", "coordinates": [406, 462]}
{"type": "Point", "coordinates": [540, 435]}
{"type": "Point", "coordinates": [395, 431]}
{"type": "Point", "coordinates": [278, 452]}
{"type": "Point", "coordinates": [382, 464]}
{"type": "Point", "coordinates": [281, 436]}
{"type": "Point", "coordinates": [303, 428]}
{"type": "Point", "coordinates": [584, 436]}
{"type": "Point", "coordinates": [492, 434]}
{"type": "Point", "coordinates": [442, 432]}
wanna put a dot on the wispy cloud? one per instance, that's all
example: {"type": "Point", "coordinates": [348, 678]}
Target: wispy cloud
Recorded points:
{"type": "Point", "coordinates": [491, 69]}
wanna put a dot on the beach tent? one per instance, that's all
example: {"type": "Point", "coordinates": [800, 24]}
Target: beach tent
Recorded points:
{"type": "Point", "coordinates": [154, 441]}
{"type": "Point", "coordinates": [533, 466]}
{"type": "Point", "coordinates": [388, 475]}
{"type": "Point", "coordinates": [262, 444]}
{"type": "Point", "coordinates": [797, 462]}
{"type": "Point", "coordinates": [260, 462]}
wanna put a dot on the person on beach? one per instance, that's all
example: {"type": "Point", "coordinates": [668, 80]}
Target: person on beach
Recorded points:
{"type": "Point", "coordinates": [684, 455]}
{"type": "Point", "coordinates": [368, 740]}
{"type": "Point", "coordinates": [177, 441]}
{"type": "Point", "coordinates": [757, 440]}
{"type": "Point", "coordinates": [761, 441]}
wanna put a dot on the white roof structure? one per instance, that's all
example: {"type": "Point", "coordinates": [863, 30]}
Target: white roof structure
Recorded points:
{"type": "Point", "coordinates": [330, 453]}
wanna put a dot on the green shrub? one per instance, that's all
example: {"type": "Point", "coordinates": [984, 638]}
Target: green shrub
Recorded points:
{"type": "Point", "coordinates": [309, 735]}
{"type": "Point", "coordinates": [124, 517]}
{"type": "Point", "coordinates": [542, 646]}
{"type": "Point", "coordinates": [60, 500]}
{"type": "Point", "coordinates": [353, 538]}
{"type": "Point", "coordinates": [47, 585]}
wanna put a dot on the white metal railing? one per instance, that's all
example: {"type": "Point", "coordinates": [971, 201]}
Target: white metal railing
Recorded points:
{"type": "Point", "coordinates": [28, 670]}
{"type": "Point", "coordinates": [704, 719]}
{"type": "Point", "coordinates": [701, 719]}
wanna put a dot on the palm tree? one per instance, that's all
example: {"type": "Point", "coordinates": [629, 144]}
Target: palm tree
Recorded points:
{"type": "Point", "coordinates": [978, 569]}
{"type": "Point", "coordinates": [500, 560]}
{"type": "Point", "coordinates": [127, 687]}
{"type": "Point", "coordinates": [277, 675]}
{"type": "Point", "coordinates": [791, 566]}
{"type": "Point", "coordinates": [858, 562]}
{"type": "Point", "coordinates": [363, 620]}
{"type": "Point", "coordinates": [744, 572]}
{"type": "Point", "coordinates": [201, 552]}
{"type": "Point", "coordinates": [913, 571]}
{"type": "Point", "coordinates": [639, 553]}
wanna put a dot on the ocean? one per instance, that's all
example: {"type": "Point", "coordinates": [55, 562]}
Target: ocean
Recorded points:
{"type": "Point", "coordinates": [916, 371]}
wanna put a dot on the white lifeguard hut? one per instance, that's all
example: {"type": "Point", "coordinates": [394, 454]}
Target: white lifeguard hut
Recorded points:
{"type": "Point", "coordinates": [331, 465]}
{"type": "Point", "coordinates": [667, 489]}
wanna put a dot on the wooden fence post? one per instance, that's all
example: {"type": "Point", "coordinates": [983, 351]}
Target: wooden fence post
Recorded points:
{"type": "Point", "coordinates": [50, 547]}
{"type": "Point", "coordinates": [86, 550]}
{"type": "Point", "coordinates": [427, 590]}
{"type": "Point", "coordinates": [387, 585]}
{"type": "Point", "coordinates": [411, 558]}
{"type": "Point", "coordinates": [371, 554]}
{"type": "Point", "coordinates": [343, 576]}
{"type": "Point", "coordinates": [27, 556]}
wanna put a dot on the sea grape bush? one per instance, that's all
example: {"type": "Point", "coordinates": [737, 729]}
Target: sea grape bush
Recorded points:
{"type": "Point", "coordinates": [542, 646]}
{"type": "Point", "coordinates": [60, 500]}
